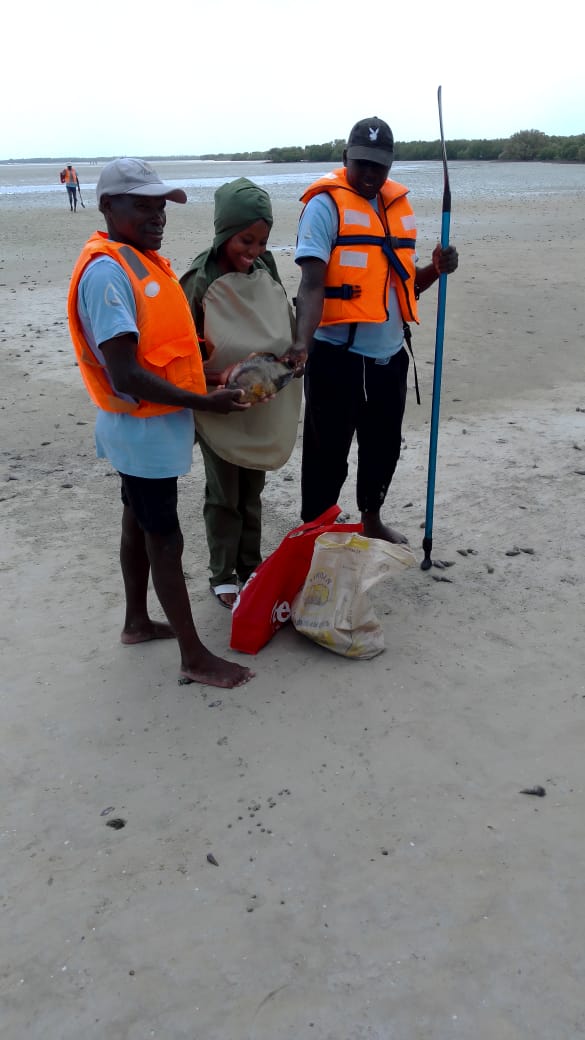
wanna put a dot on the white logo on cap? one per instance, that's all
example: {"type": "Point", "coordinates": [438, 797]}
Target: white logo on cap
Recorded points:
{"type": "Point", "coordinates": [374, 131]}
{"type": "Point", "coordinates": [151, 289]}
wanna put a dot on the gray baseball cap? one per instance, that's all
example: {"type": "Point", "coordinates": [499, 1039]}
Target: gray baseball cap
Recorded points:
{"type": "Point", "coordinates": [135, 177]}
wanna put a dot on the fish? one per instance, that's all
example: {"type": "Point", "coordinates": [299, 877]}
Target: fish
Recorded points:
{"type": "Point", "coordinates": [259, 375]}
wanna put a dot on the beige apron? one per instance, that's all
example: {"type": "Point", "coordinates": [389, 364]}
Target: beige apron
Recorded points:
{"type": "Point", "coordinates": [246, 313]}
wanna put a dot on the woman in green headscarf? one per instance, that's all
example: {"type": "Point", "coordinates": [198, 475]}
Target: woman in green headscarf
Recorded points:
{"type": "Point", "coordinates": [240, 306]}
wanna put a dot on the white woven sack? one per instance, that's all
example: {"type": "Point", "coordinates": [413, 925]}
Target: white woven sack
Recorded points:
{"type": "Point", "coordinates": [333, 608]}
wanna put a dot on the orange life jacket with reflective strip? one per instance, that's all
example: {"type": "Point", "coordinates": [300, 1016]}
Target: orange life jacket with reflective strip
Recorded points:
{"type": "Point", "coordinates": [167, 346]}
{"type": "Point", "coordinates": [70, 176]}
{"type": "Point", "coordinates": [372, 251]}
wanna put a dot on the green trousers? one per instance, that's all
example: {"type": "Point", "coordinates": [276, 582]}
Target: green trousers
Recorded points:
{"type": "Point", "coordinates": [233, 517]}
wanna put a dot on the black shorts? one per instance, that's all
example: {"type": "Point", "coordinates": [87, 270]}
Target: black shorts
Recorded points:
{"type": "Point", "coordinates": [153, 502]}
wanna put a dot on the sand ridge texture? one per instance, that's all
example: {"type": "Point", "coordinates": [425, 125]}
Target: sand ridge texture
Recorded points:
{"type": "Point", "coordinates": [379, 874]}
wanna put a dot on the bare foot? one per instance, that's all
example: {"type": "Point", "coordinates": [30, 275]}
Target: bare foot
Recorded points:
{"type": "Point", "coordinates": [374, 528]}
{"type": "Point", "coordinates": [214, 671]}
{"type": "Point", "coordinates": [144, 633]}
{"type": "Point", "coordinates": [227, 598]}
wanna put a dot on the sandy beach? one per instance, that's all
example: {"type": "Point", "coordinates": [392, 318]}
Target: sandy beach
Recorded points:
{"type": "Point", "coordinates": [380, 874]}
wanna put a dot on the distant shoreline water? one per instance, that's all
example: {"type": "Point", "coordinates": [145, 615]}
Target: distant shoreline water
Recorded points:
{"type": "Point", "coordinates": [37, 184]}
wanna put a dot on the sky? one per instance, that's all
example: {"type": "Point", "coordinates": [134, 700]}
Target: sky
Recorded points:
{"type": "Point", "coordinates": [90, 79]}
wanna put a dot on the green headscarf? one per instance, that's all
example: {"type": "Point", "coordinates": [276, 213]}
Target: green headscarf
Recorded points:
{"type": "Point", "coordinates": [237, 205]}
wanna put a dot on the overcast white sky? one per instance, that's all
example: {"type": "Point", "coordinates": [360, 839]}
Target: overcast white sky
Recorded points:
{"type": "Point", "coordinates": [112, 78]}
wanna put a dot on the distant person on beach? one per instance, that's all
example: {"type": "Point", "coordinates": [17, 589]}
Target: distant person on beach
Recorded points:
{"type": "Point", "coordinates": [137, 350]}
{"type": "Point", "coordinates": [240, 306]}
{"type": "Point", "coordinates": [359, 288]}
{"type": "Point", "coordinates": [71, 181]}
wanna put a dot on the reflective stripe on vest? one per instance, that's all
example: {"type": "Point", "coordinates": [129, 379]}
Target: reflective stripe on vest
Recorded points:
{"type": "Point", "coordinates": [134, 262]}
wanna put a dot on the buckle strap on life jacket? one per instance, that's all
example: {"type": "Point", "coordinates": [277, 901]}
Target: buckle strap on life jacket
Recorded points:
{"type": "Point", "coordinates": [394, 261]}
{"type": "Point", "coordinates": [375, 240]}
{"type": "Point", "coordinates": [387, 243]}
{"type": "Point", "coordinates": [341, 292]}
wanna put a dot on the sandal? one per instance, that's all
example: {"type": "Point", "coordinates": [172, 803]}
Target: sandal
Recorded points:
{"type": "Point", "coordinates": [228, 589]}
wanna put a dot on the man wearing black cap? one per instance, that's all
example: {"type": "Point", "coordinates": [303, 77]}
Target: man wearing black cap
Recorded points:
{"type": "Point", "coordinates": [359, 289]}
{"type": "Point", "coordinates": [139, 357]}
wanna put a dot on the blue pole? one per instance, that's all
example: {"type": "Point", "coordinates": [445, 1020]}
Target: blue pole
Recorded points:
{"type": "Point", "coordinates": [438, 368]}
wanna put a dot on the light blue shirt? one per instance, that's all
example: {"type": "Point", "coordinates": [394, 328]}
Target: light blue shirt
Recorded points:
{"type": "Point", "coordinates": [318, 230]}
{"type": "Point", "coordinates": [159, 446]}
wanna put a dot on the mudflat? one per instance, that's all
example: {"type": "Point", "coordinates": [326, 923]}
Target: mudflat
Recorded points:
{"type": "Point", "coordinates": [376, 872]}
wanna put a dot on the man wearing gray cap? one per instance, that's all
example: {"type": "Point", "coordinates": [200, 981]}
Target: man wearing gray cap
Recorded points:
{"type": "Point", "coordinates": [138, 354]}
{"type": "Point", "coordinates": [359, 288]}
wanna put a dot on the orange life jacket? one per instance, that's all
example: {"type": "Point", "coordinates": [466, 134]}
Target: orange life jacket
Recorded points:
{"type": "Point", "coordinates": [168, 344]}
{"type": "Point", "coordinates": [70, 176]}
{"type": "Point", "coordinates": [372, 251]}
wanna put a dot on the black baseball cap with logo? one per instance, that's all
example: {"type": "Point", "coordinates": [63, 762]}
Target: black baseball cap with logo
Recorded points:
{"type": "Point", "coordinates": [371, 140]}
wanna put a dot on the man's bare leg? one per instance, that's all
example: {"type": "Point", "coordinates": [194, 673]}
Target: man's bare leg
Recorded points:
{"type": "Point", "coordinates": [374, 528]}
{"type": "Point", "coordinates": [138, 626]}
{"type": "Point", "coordinates": [198, 664]}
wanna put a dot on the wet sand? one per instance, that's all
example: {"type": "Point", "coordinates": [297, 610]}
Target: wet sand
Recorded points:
{"type": "Point", "coordinates": [379, 875]}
